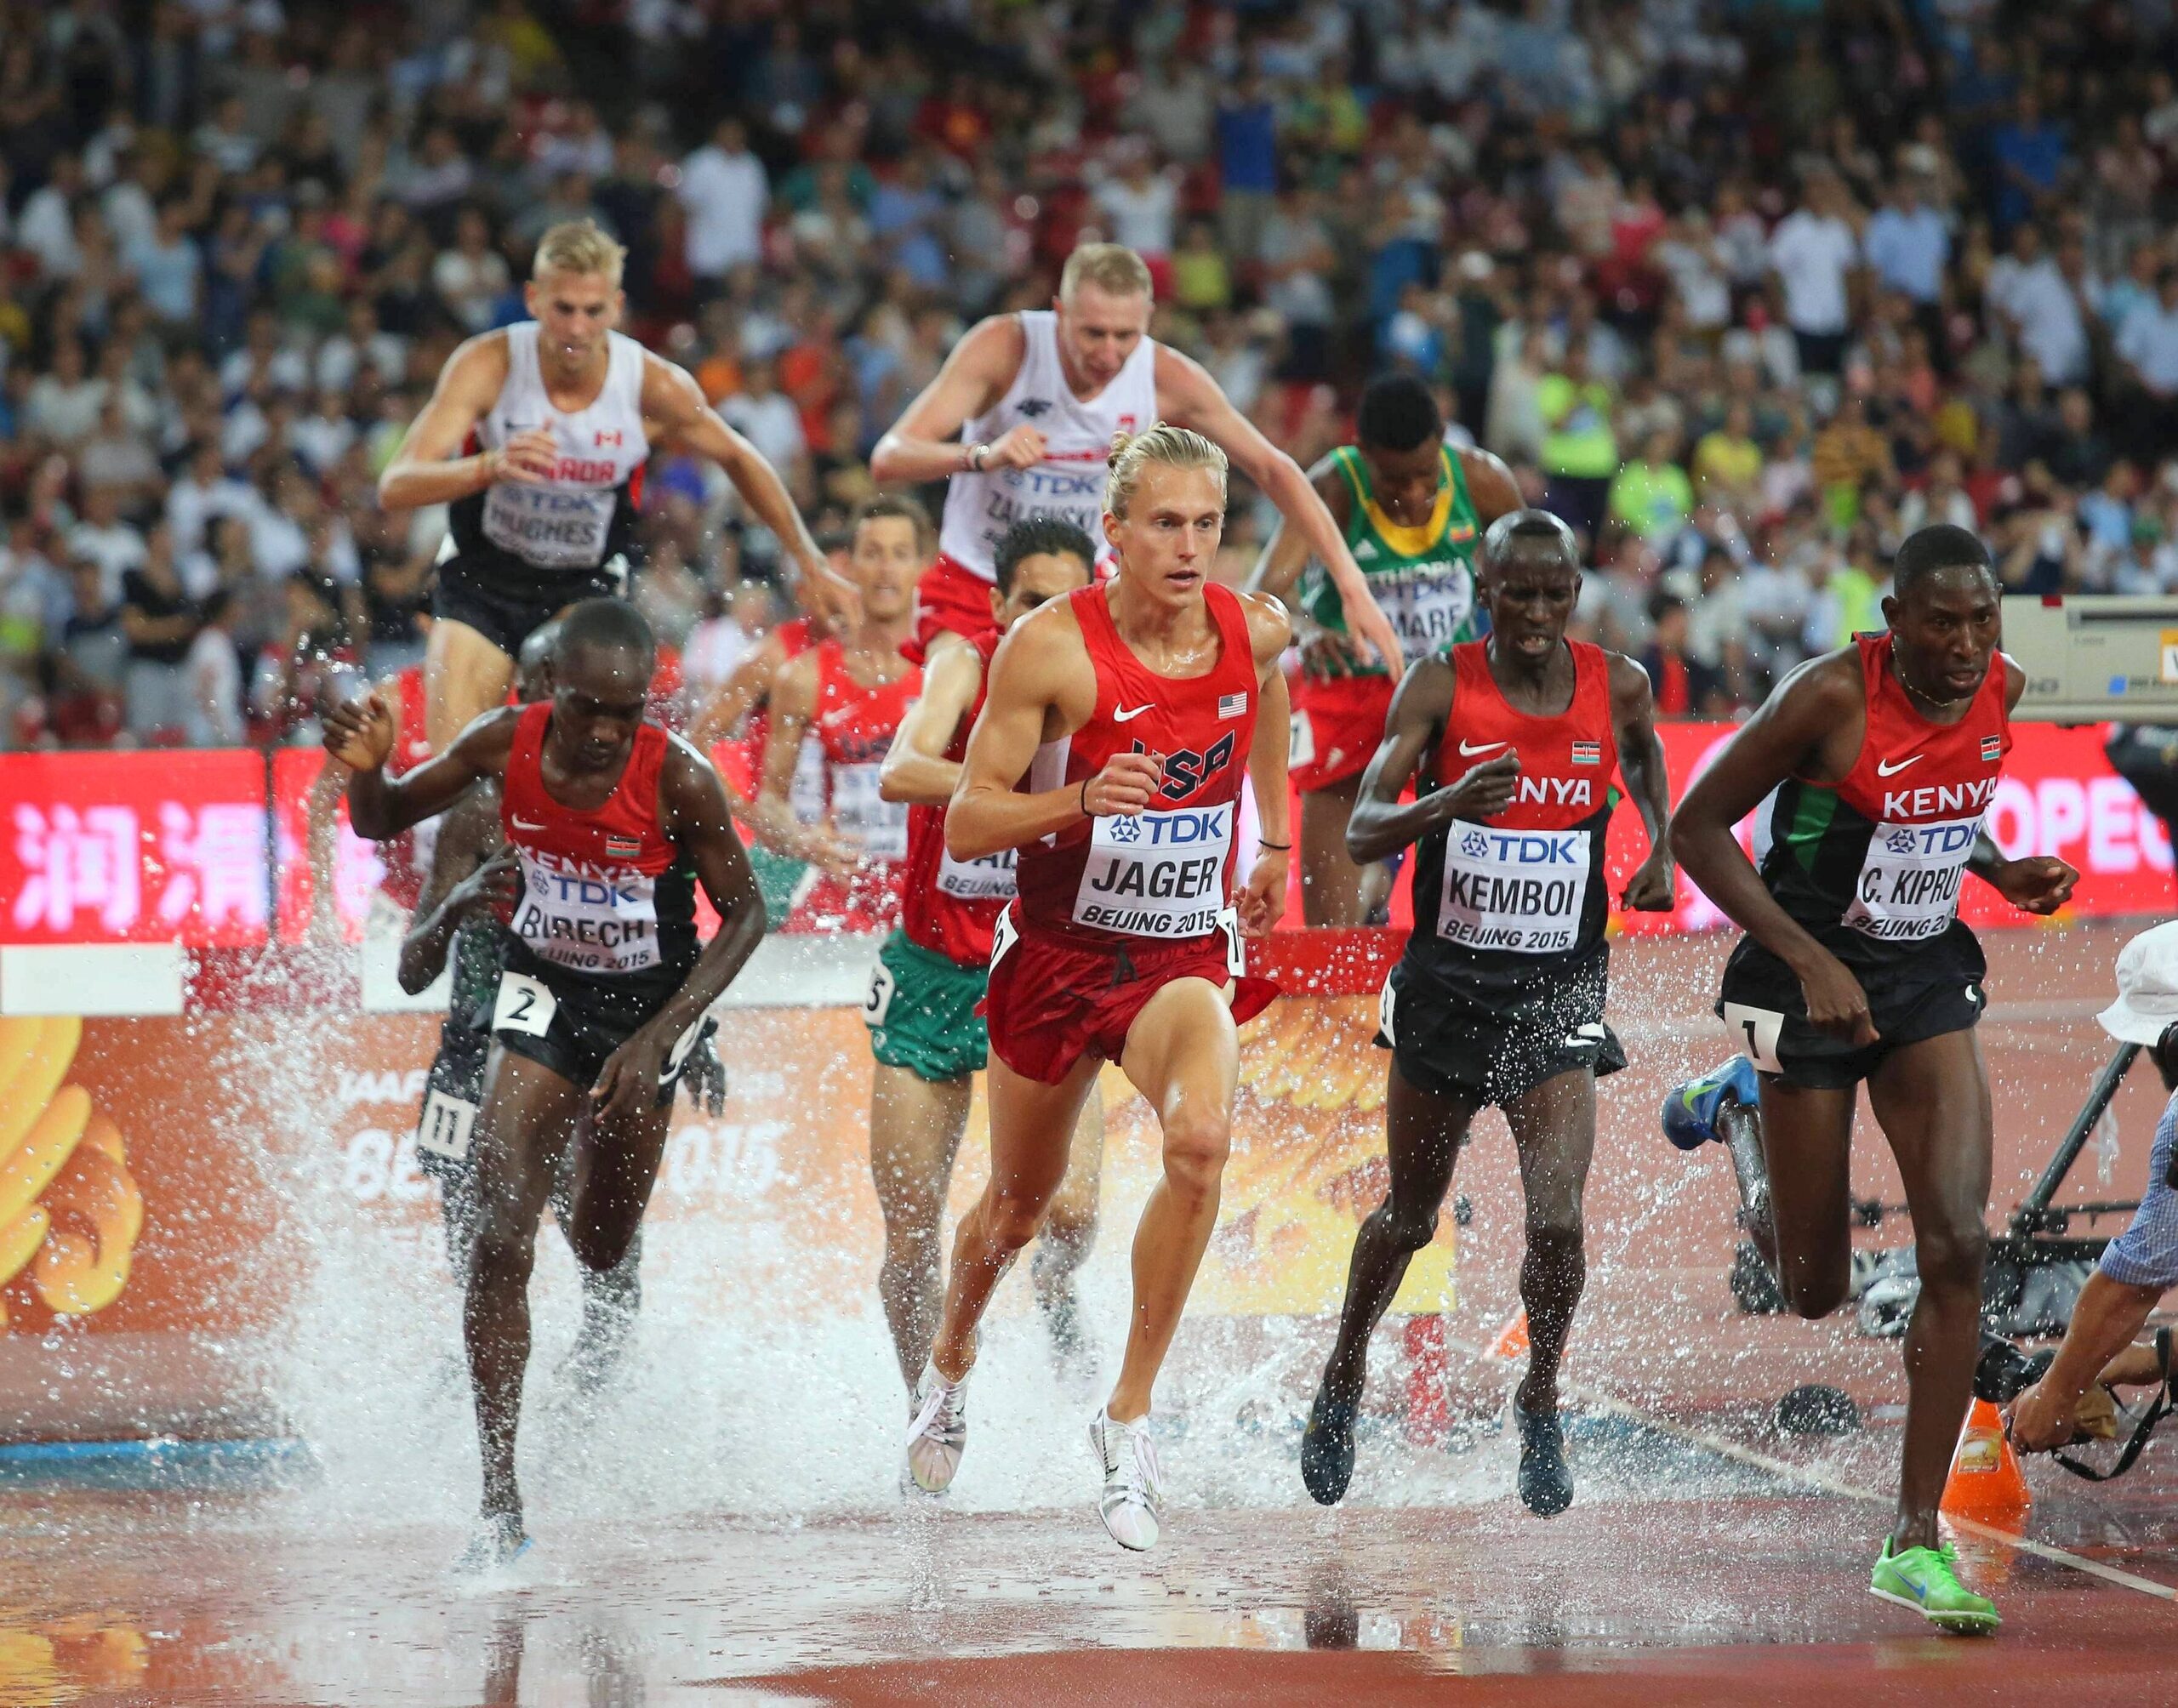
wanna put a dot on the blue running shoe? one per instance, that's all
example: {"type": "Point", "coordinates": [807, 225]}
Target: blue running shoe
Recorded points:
{"type": "Point", "coordinates": [1691, 1110]}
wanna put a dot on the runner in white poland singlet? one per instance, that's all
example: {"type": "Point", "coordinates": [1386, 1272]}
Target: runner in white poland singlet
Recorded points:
{"type": "Point", "coordinates": [1069, 482]}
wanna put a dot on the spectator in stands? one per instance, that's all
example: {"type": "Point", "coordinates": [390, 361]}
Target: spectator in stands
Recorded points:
{"type": "Point", "coordinates": [212, 677]}
{"type": "Point", "coordinates": [161, 623]}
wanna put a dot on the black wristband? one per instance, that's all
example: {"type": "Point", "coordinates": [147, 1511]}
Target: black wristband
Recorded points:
{"type": "Point", "coordinates": [1282, 847]}
{"type": "Point", "coordinates": [1085, 813]}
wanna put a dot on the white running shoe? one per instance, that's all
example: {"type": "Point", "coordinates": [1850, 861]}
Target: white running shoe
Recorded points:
{"type": "Point", "coordinates": [937, 1430]}
{"type": "Point", "coordinates": [1134, 1486]}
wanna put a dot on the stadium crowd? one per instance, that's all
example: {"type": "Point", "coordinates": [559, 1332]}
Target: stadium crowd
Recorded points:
{"type": "Point", "coordinates": [1745, 291]}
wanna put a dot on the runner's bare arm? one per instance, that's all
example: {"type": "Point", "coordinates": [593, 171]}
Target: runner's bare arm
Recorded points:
{"type": "Point", "coordinates": [469, 384]}
{"type": "Point", "coordinates": [1641, 764]}
{"type": "Point", "coordinates": [2039, 883]}
{"type": "Point", "coordinates": [1188, 396]}
{"type": "Point", "coordinates": [1785, 737]}
{"type": "Point", "coordinates": [771, 816]}
{"type": "Point", "coordinates": [925, 443]}
{"type": "Point", "coordinates": [917, 770]}
{"type": "Point", "coordinates": [1261, 899]}
{"type": "Point", "coordinates": [1042, 685]}
{"type": "Point", "coordinates": [746, 686]}
{"type": "Point", "coordinates": [360, 732]}
{"type": "Point", "coordinates": [1491, 488]}
{"type": "Point", "coordinates": [674, 403]}
{"type": "Point", "coordinates": [471, 872]}
{"type": "Point", "coordinates": [1280, 566]}
{"type": "Point", "coordinates": [693, 811]}
{"type": "Point", "coordinates": [1380, 825]}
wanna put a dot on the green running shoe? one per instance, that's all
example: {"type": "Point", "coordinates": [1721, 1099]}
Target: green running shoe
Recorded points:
{"type": "Point", "coordinates": [1924, 1578]}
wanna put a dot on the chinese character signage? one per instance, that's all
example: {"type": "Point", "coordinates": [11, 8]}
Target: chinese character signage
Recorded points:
{"type": "Point", "coordinates": [133, 847]}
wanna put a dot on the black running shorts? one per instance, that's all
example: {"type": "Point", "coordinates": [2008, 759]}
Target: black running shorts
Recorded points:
{"type": "Point", "coordinates": [507, 606]}
{"type": "Point", "coordinates": [571, 1024]}
{"type": "Point", "coordinates": [1934, 988]}
{"type": "Point", "coordinates": [1492, 1046]}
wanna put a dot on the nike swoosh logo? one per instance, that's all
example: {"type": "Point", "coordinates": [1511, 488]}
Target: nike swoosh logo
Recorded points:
{"type": "Point", "coordinates": [1884, 767]}
{"type": "Point", "coordinates": [522, 824]}
{"type": "Point", "coordinates": [1119, 717]}
{"type": "Point", "coordinates": [1468, 750]}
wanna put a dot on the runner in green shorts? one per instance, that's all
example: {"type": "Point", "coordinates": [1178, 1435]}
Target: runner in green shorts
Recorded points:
{"type": "Point", "coordinates": [924, 1029]}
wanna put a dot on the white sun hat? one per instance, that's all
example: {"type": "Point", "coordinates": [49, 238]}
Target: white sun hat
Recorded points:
{"type": "Point", "coordinates": [2148, 986]}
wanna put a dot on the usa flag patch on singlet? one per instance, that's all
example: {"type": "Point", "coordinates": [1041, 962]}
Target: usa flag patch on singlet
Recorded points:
{"type": "Point", "coordinates": [1588, 753]}
{"type": "Point", "coordinates": [1231, 706]}
{"type": "Point", "coordinates": [1992, 749]}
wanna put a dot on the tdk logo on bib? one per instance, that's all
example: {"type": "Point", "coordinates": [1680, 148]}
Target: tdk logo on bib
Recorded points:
{"type": "Point", "coordinates": [1529, 847]}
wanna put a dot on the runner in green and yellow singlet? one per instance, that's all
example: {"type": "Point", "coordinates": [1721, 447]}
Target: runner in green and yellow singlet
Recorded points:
{"type": "Point", "coordinates": [1413, 510]}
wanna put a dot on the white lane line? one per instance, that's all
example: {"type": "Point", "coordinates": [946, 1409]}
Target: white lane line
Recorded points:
{"type": "Point", "coordinates": [1823, 1481]}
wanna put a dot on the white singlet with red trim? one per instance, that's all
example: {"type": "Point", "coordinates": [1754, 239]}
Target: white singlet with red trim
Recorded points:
{"type": "Point", "coordinates": [1070, 481]}
{"type": "Point", "coordinates": [577, 517]}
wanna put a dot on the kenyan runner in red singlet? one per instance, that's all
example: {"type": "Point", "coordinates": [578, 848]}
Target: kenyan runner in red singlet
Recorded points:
{"type": "Point", "coordinates": [1878, 763]}
{"type": "Point", "coordinates": [607, 989]}
{"type": "Point", "coordinates": [926, 995]}
{"type": "Point", "coordinates": [1499, 998]}
{"type": "Point", "coordinates": [847, 695]}
{"type": "Point", "coordinates": [1111, 754]}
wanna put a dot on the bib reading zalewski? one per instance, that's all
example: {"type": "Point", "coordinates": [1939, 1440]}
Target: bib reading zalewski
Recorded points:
{"type": "Point", "coordinates": [989, 879]}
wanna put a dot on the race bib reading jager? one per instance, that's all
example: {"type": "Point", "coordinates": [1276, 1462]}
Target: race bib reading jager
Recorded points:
{"type": "Point", "coordinates": [1909, 887]}
{"type": "Point", "coordinates": [1158, 875]}
{"type": "Point", "coordinates": [881, 826]}
{"type": "Point", "coordinates": [988, 880]}
{"type": "Point", "coordinates": [1512, 890]}
{"type": "Point", "coordinates": [555, 527]}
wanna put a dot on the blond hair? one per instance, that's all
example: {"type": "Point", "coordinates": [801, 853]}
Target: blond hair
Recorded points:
{"type": "Point", "coordinates": [1111, 267]}
{"type": "Point", "coordinates": [1176, 447]}
{"type": "Point", "coordinates": [578, 245]}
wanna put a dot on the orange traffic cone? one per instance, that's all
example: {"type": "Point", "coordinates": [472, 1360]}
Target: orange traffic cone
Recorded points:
{"type": "Point", "coordinates": [1512, 1341]}
{"type": "Point", "coordinates": [1985, 1482]}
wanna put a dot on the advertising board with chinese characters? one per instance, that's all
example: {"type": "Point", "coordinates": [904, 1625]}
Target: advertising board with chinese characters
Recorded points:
{"type": "Point", "coordinates": [142, 847]}
{"type": "Point", "coordinates": [134, 847]}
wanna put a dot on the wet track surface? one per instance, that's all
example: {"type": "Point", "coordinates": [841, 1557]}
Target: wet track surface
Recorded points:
{"type": "Point", "coordinates": [726, 1531]}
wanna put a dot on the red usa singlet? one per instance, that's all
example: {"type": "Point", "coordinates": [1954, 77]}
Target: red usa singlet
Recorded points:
{"type": "Point", "coordinates": [1166, 874]}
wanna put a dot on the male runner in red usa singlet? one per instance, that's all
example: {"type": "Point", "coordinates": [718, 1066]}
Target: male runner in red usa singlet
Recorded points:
{"type": "Point", "coordinates": [1872, 770]}
{"type": "Point", "coordinates": [1111, 753]}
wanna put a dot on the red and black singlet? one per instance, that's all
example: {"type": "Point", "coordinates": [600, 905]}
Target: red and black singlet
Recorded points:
{"type": "Point", "coordinates": [605, 894]}
{"type": "Point", "coordinates": [1522, 896]}
{"type": "Point", "coordinates": [1872, 864]}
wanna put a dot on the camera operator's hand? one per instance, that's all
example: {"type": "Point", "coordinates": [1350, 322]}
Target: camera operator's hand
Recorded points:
{"type": "Point", "coordinates": [2041, 1418]}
